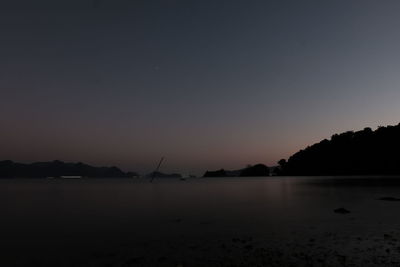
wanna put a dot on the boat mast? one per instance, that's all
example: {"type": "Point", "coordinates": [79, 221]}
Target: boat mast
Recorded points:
{"type": "Point", "coordinates": [158, 167]}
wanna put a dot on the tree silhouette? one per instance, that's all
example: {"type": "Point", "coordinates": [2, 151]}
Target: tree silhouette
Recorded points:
{"type": "Point", "coordinates": [364, 152]}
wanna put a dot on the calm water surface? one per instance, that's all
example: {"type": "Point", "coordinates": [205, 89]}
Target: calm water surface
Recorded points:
{"type": "Point", "coordinates": [53, 214]}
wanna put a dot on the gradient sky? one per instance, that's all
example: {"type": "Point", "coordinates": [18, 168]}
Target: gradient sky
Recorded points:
{"type": "Point", "coordinates": [206, 84]}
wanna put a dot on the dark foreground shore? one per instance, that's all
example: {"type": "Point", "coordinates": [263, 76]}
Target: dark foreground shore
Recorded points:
{"type": "Point", "coordinates": [311, 247]}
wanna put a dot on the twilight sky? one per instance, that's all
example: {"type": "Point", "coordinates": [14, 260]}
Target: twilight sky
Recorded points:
{"type": "Point", "coordinates": [207, 84]}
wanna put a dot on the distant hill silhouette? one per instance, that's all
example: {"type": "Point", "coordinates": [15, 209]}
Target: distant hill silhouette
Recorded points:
{"type": "Point", "coordinates": [218, 173]}
{"type": "Point", "coordinates": [157, 174]}
{"type": "Point", "coordinates": [10, 169]}
{"type": "Point", "coordinates": [365, 152]}
{"type": "Point", "coordinates": [256, 170]}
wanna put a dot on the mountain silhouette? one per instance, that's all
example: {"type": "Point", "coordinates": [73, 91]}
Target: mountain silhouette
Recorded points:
{"type": "Point", "coordinates": [10, 169]}
{"type": "Point", "coordinates": [256, 170]}
{"type": "Point", "coordinates": [218, 173]}
{"type": "Point", "coordinates": [364, 152]}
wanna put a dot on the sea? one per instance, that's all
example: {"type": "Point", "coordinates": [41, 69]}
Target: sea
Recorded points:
{"type": "Point", "coordinates": [200, 221]}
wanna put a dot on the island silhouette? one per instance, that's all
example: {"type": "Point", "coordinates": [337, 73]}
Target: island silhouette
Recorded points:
{"type": "Point", "coordinates": [364, 152]}
{"type": "Point", "coordinates": [54, 169]}
{"type": "Point", "coordinates": [250, 171]}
